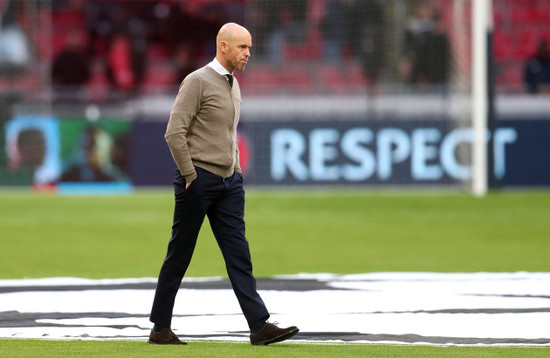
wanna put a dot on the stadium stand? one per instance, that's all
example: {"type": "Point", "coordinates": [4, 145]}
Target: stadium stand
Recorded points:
{"type": "Point", "coordinates": [519, 27]}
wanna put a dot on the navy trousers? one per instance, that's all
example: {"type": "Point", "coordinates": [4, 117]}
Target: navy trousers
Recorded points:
{"type": "Point", "coordinates": [222, 199]}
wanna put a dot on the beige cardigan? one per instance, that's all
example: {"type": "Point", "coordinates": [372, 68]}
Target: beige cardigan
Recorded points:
{"type": "Point", "coordinates": [202, 129]}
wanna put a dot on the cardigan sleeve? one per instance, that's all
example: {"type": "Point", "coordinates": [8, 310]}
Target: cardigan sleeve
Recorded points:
{"type": "Point", "coordinates": [186, 107]}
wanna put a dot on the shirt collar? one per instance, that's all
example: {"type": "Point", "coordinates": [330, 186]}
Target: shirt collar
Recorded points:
{"type": "Point", "coordinates": [217, 66]}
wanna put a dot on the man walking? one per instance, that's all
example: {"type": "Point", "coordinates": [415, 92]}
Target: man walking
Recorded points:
{"type": "Point", "coordinates": [202, 136]}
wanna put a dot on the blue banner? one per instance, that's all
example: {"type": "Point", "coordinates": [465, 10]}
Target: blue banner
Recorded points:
{"type": "Point", "coordinates": [359, 153]}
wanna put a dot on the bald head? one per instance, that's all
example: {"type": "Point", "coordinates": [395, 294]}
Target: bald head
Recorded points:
{"type": "Point", "coordinates": [233, 45]}
{"type": "Point", "coordinates": [230, 31]}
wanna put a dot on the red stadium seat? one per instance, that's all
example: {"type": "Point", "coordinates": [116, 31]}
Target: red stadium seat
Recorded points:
{"type": "Point", "coordinates": [68, 19]}
{"type": "Point", "coordinates": [310, 49]}
{"type": "Point", "coordinates": [259, 79]}
{"type": "Point", "coordinates": [298, 79]}
{"type": "Point", "coordinates": [160, 75]}
{"type": "Point", "coordinates": [502, 45]}
{"type": "Point", "coordinates": [528, 43]}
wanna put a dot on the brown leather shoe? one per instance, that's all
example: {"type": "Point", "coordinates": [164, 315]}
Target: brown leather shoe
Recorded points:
{"type": "Point", "coordinates": [165, 336]}
{"type": "Point", "coordinates": [272, 334]}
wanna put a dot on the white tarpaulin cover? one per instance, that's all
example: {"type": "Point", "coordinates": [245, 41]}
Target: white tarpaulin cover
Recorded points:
{"type": "Point", "coordinates": [403, 308]}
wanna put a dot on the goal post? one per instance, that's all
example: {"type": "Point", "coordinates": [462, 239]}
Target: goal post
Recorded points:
{"type": "Point", "coordinates": [481, 26]}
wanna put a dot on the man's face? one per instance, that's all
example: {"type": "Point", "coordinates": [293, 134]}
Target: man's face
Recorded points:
{"type": "Point", "coordinates": [238, 51]}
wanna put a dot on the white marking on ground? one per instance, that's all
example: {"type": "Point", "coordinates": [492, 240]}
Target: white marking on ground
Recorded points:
{"type": "Point", "coordinates": [404, 308]}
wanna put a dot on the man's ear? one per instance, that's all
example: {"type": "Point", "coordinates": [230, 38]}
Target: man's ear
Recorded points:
{"type": "Point", "coordinates": [223, 46]}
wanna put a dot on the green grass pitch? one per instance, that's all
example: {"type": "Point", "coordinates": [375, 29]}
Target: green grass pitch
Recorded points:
{"type": "Point", "coordinates": [289, 232]}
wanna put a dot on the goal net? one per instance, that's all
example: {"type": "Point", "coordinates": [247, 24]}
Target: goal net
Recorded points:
{"type": "Point", "coordinates": [361, 92]}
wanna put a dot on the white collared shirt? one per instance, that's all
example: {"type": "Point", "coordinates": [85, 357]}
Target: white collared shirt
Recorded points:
{"type": "Point", "coordinates": [217, 66]}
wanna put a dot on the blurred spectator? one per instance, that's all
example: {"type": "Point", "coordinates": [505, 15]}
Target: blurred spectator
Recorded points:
{"type": "Point", "coordinates": [191, 24]}
{"type": "Point", "coordinates": [100, 26]}
{"type": "Point", "coordinates": [416, 32]}
{"type": "Point", "coordinates": [70, 69]}
{"type": "Point", "coordinates": [537, 70]}
{"type": "Point", "coordinates": [137, 31]}
{"type": "Point", "coordinates": [212, 16]}
{"type": "Point", "coordinates": [278, 23]}
{"type": "Point", "coordinates": [126, 59]}
{"type": "Point", "coordinates": [333, 29]}
{"type": "Point", "coordinates": [439, 53]}
{"type": "Point", "coordinates": [119, 35]}
{"type": "Point", "coordinates": [126, 34]}
{"type": "Point", "coordinates": [184, 62]}
{"type": "Point", "coordinates": [427, 49]}
{"type": "Point", "coordinates": [431, 56]}
{"type": "Point", "coordinates": [366, 36]}
{"type": "Point", "coordinates": [14, 45]}
{"type": "Point", "coordinates": [177, 26]}
{"type": "Point", "coordinates": [119, 63]}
